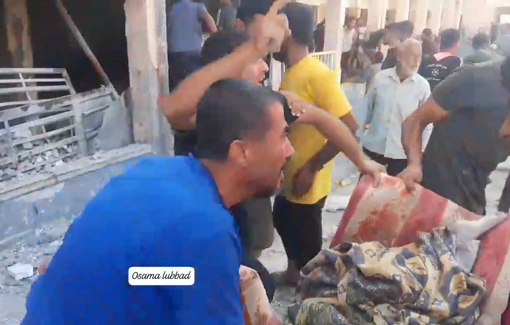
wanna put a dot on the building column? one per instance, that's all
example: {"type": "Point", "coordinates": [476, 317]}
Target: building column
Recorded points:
{"type": "Point", "coordinates": [148, 69]}
{"type": "Point", "coordinates": [448, 17]}
{"type": "Point", "coordinates": [420, 17]}
{"type": "Point", "coordinates": [18, 33]}
{"type": "Point", "coordinates": [458, 13]}
{"type": "Point", "coordinates": [377, 15]}
{"type": "Point", "coordinates": [436, 10]}
{"type": "Point", "coordinates": [402, 10]}
{"type": "Point", "coordinates": [335, 20]}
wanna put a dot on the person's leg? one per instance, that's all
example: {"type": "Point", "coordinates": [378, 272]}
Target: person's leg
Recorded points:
{"type": "Point", "coordinates": [182, 65]}
{"type": "Point", "coordinates": [266, 278]}
{"type": "Point", "coordinates": [504, 201]}
{"type": "Point", "coordinates": [260, 224]}
{"type": "Point", "coordinates": [284, 223]}
{"type": "Point", "coordinates": [308, 226]}
{"type": "Point", "coordinates": [240, 214]}
{"type": "Point", "coordinates": [396, 166]}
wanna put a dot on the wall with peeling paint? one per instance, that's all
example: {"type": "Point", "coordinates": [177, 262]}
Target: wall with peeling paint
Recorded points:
{"type": "Point", "coordinates": [21, 216]}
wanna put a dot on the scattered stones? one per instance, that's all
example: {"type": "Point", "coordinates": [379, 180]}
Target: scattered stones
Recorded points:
{"type": "Point", "coordinates": [29, 165]}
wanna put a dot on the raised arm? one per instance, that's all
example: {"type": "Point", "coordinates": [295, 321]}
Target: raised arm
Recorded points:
{"type": "Point", "coordinates": [179, 107]}
{"type": "Point", "coordinates": [207, 19]}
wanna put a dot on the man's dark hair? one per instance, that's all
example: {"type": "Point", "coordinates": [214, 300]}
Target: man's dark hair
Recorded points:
{"type": "Point", "coordinates": [249, 8]}
{"type": "Point", "coordinates": [480, 41]}
{"type": "Point", "coordinates": [232, 110]}
{"type": "Point", "coordinates": [301, 22]}
{"type": "Point", "coordinates": [427, 32]}
{"type": "Point", "coordinates": [221, 44]}
{"type": "Point", "coordinates": [505, 73]}
{"type": "Point", "coordinates": [375, 38]}
{"type": "Point", "coordinates": [448, 39]}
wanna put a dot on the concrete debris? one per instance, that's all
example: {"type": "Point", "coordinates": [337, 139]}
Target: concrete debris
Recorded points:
{"type": "Point", "coordinates": [30, 160]}
{"type": "Point", "coordinates": [19, 264]}
{"type": "Point", "coordinates": [21, 271]}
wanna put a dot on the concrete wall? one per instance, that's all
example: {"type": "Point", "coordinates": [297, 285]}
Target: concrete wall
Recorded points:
{"type": "Point", "coordinates": [23, 215]}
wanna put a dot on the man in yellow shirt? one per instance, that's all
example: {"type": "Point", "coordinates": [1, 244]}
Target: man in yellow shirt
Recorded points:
{"type": "Point", "coordinates": [297, 214]}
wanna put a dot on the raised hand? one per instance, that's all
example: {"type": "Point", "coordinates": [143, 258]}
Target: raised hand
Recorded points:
{"type": "Point", "coordinates": [271, 30]}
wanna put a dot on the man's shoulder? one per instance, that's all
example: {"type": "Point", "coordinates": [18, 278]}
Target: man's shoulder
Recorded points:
{"type": "Point", "coordinates": [319, 71]}
{"type": "Point", "coordinates": [382, 76]}
{"type": "Point", "coordinates": [422, 83]}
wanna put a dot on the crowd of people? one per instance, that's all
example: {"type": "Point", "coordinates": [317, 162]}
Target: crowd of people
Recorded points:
{"type": "Point", "coordinates": [238, 143]}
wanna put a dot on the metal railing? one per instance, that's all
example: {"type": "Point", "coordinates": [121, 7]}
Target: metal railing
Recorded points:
{"type": "Point", "coordinates": [47, 132]}
{"type": "Point", "coordinates": [328, 58]}
{"type": "Point", "coordinates": [22, 86]}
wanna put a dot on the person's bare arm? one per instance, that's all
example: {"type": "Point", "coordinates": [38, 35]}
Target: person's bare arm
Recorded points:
{"type": "Point", "coordinates": [413, 127]}
{"type": "Point", "coordinates": [351, 123]}
{"type": "Point", "coordinates": [209, 22]}
{"type": "Point", "coordinates": [180, 106]}
{"type": "Point", "coordinates": [339, 135]}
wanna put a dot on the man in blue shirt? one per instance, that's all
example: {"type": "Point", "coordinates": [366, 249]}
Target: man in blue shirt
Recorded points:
{"type": "Point", "coordinates": [171, 212]}
{"type": "Point", "coordinates": [185, 21]}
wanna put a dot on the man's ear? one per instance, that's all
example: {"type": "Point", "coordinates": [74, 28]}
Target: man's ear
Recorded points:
{"type": "Point", "coordinates": [238, 153]}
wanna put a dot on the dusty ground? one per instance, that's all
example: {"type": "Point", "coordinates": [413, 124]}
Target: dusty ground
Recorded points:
{"type": "Point", "coordinates": [46, 241]}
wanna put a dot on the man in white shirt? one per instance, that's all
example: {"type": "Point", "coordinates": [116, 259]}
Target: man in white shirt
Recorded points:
{"type": "Point", "coordinates": [394, 94]}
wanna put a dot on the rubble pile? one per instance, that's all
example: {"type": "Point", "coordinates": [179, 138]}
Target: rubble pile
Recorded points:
{"type": "Point", "coordinates": [19, 265]}
{"type": "Point", "coordinates": [30, 159]}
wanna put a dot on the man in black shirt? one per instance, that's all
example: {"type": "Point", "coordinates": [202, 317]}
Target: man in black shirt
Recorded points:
{"type": "Point", "coordinates": [470, 112]}
{"type": "Point", "coordinates": [437, 67]}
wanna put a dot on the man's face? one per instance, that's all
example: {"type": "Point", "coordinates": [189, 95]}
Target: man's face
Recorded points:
{"type": "Point", "coordinates": [281, 56]}
{"type": "Point", "coordinates": [410, 59]}
{"type": "Point", "coordinates": [266, 158]}
{"type": "Point", "coordinates": [255, 72]}
{"type": "Point", "coordinates": [351, 24]}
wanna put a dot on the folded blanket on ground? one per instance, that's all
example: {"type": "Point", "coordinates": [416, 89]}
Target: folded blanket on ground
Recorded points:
{"type": "Point", "coordinates": [419, 283]}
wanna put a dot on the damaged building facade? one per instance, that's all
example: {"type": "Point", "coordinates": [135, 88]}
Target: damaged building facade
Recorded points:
{"type": "Point", "coordinates": [79, 82]}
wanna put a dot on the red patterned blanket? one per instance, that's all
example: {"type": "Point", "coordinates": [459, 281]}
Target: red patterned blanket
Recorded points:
{"type": "Point", "coordinates": [392, 216]}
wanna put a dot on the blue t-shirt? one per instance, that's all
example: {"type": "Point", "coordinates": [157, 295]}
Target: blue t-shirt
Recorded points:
{"type": "Point", "coordinates": [185, 26]}
{"type": "Point", "coordinates": [165, 211]}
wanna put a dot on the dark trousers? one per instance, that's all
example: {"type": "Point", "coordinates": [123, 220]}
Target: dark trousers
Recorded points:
{"type": "Point", "coordinates": [300, 227]}
{"type": "Point", "coordinates": [393, 166]}
{"type": "Point", "coordinates": [267, 280]}
{"type": "Point", "coordinates": [182, 64]}
{"type": "Point", "coordinates": [241, 217]}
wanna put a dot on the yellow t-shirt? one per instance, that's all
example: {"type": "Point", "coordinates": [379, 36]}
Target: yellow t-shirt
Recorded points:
{"type": "Point", "coordinates": [313, 82]}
